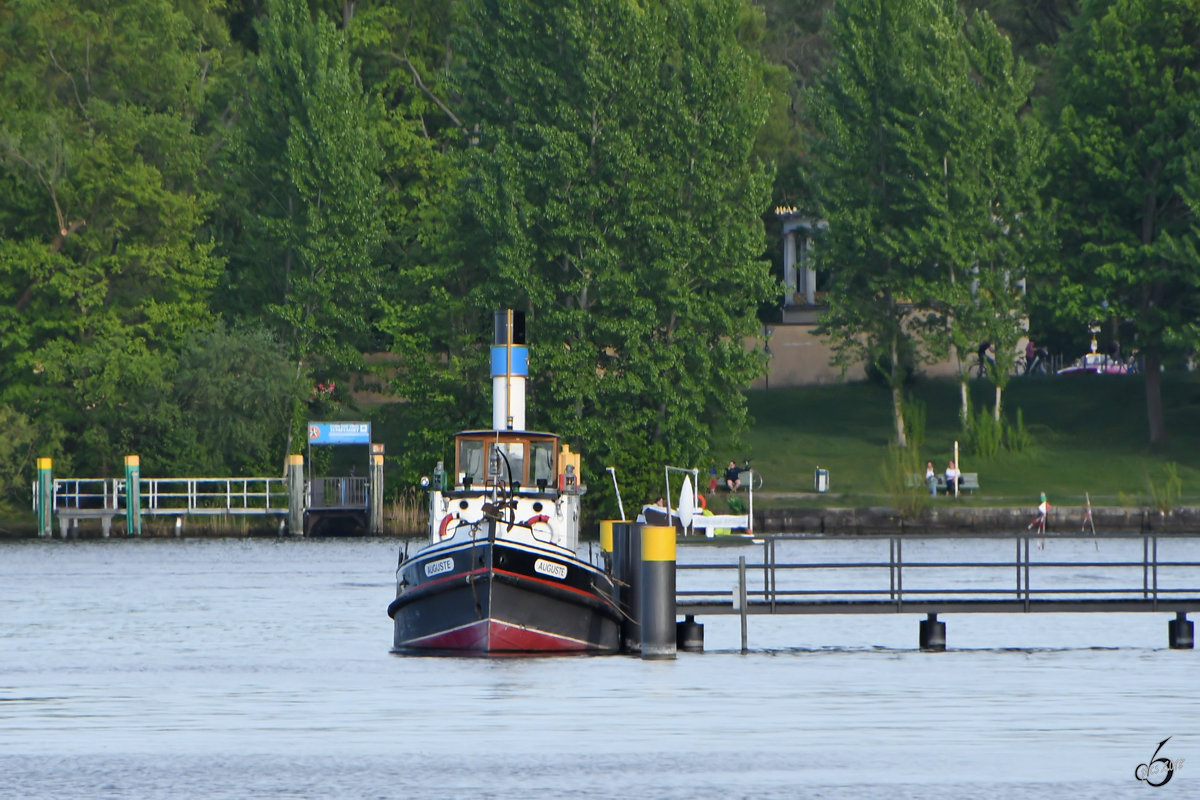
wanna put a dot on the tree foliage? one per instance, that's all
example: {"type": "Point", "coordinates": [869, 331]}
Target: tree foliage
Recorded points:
{"type": "Point", "coordinates": [357, 175]}
{"type": "Point", "coordinates": [235, 387]}
{"type": "Point", "coordinates": [103, 267]}
{"type": "Point", "coordinates": [1126, 176]}
{"type": "Point", "coordinates": [302, 227]}
{"type": "Point", "coordinates": [990, 227]}
{"type": "Point", "coordinates": [883, 118]}
{"type": "Point", "coordinates": [927, 179]}
{"type": "Point", "coordinates": [617, 198]}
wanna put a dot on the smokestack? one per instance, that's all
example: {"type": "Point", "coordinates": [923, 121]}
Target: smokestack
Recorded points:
{"type": "Point", "coordinates": [510, 366]}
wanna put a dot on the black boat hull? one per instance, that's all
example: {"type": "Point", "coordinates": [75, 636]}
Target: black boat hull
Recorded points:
{"type": "Point", "coordinates": [493, 596]}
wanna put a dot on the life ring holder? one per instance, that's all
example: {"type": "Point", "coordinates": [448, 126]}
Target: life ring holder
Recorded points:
{"type": "Point", "coordinates": [534, 520]}
{"type": "Point", "coordinates": [445, 524]}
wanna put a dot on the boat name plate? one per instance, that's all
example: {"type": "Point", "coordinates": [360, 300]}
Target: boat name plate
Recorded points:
{"type": "Point", "coordinates": [439, 566]}
{"type": "Point", "coordinates": [550, 568]}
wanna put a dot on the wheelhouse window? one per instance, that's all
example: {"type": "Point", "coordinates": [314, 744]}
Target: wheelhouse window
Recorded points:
{"type": "Point", "coordinates": [528, 459]}
{"type": "Point", "coordinates": [511, 467]}
{"type": "Point", "coordinates": [542, 462]}
{"type": "Point", "coordinates": [470, 460]}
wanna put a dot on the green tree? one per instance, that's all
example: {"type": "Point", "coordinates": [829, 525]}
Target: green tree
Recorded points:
{"type": "Point", "coordinates": [989, 223]}
{"type": "Point", "coordinates": [618, 200]}
{"type": "Point", "coordinates": [427, 315]}
{"type": "Point", "coordinates": [885, 116]}
{"type": "Point", "coordinates": [236, 388]}
{"type": "Point", "coordinates": [1126, 94]}
{"type": "Point", "coordinates": [1033, 26]}
{"type": "Point", "coordinates": [17, 457]}
{"type": "Point", "coordinates": [302, 227]}
{"type": "Point", "coordinates": [102, 265]}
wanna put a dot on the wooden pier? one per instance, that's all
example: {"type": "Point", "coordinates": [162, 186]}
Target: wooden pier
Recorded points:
{"type": "Point", "coordinates": [1013, 573]}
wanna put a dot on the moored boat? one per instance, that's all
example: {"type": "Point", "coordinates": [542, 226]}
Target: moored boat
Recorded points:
{"type": "Point", "coordinates": [690, 515]}
{"type": "Point", "coordinates": [501, 573]}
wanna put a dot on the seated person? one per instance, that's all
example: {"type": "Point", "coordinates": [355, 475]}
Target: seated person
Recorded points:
{"type": "Point", "coordinates": [953, 476]}
{"type": "Point", "coordinates": [733, 480]}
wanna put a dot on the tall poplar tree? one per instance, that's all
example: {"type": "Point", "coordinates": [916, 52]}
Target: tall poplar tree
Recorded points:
{"type": "Point", "coordinates": [428, 315]}
{"type": "Point", "coordinates": [302, 227]}
{"type": "Point", "coordinates": [884, 117]}
{"type": "Point", "coordinates": [926, 169]}
{"type": "Point", "coordinates": [989, 226]}
{"type": "Point", "coordinates": [1126, 176]}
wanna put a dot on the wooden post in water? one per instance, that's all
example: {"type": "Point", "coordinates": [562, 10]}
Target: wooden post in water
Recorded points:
{"type": "Point", "coordinates": [295, 486]}
{"type": "Point", "coordinates": [658, 592]}
{"type": "Point", "coordinates": [45, 498]}
{"type": "Point", "coordinates": [133, 496]}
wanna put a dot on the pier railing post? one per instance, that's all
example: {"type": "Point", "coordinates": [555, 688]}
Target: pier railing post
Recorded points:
{"type": "Point", "coordinates": [741, 593]}
{"type": "Point", "coordinates": [295, 484]}
{"type": "Point", "coordinates": [932, 634]}
{"type": "Point", "coordinates": [133, 496]}
{"type": "Point", "coordinates": [45, 498]}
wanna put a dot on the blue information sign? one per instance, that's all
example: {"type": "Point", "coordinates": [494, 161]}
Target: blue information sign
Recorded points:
{"type": "Point", "coordinates": [339, 433]}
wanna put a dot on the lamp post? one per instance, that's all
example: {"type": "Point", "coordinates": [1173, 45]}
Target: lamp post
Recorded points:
{"type": "Point", "coordinates": [767, 333]}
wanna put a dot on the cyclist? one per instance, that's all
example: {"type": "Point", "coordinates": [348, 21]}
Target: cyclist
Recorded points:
{"type": "Point", "coordinates": [985, 358]}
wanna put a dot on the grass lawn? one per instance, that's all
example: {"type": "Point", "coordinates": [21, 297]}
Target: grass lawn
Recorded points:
{"type": "Point", "coordinates": [1090, 437]}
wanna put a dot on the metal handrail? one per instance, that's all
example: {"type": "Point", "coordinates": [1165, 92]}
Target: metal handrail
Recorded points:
{"type": "Point", "coordinates": [175, 496]}
{"type": "Point", "coordinates": [82, 493]}
{"type": "Point", "coordinates": [253, 495]}
{"type": "Point", "coordinates": [1030, 582]}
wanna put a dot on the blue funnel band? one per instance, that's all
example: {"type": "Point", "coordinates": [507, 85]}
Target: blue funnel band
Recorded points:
{"type": "Point", "coordinates": [520, 361]}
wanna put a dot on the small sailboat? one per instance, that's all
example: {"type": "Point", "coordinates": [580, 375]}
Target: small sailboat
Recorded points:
{"type": "Point", "coordinates": [501, 573]}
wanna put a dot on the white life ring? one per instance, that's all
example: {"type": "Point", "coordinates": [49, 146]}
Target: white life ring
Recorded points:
{"type": "Point", "coordinates": [443, 528]}
{"type": "Point", "coordinates": [539, 523]}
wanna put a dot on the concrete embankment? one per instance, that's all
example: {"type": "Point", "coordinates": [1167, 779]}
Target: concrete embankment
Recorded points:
{"type": "Point", "coordinates": [964, 519]}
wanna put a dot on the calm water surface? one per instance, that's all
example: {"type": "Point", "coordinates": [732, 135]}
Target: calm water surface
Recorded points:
{"type": "Point", "coordinates": [260, 668]}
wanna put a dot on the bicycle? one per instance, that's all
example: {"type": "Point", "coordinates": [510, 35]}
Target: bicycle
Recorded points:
{"type": "Point", "coordinates": [981, 368]}
{"type": "Point", "coordinates": [755, 480]}
{"type": "Point", "coordinates": [1023, 366]}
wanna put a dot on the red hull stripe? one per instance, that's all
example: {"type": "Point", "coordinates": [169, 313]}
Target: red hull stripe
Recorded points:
{"type": "Point", "coordinates": [492, 636]}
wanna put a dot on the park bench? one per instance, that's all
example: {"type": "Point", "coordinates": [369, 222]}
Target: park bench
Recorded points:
{"type": "Point", "coordinates": [969, 482]}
